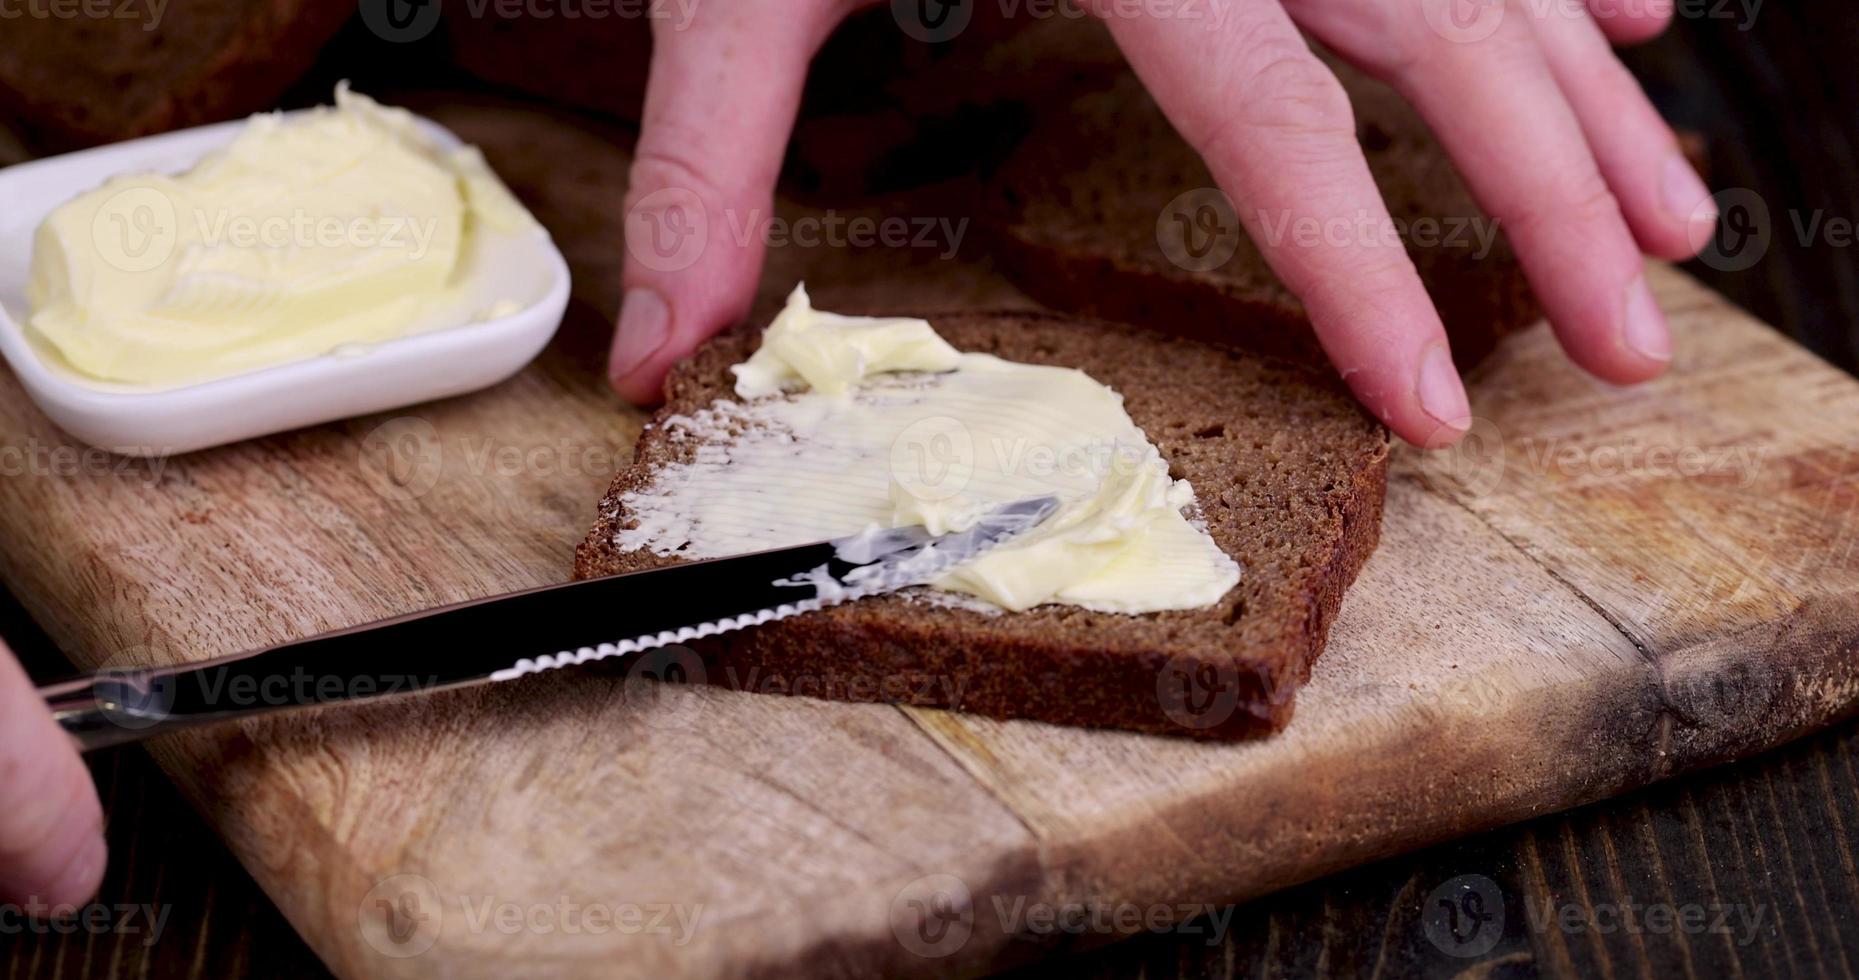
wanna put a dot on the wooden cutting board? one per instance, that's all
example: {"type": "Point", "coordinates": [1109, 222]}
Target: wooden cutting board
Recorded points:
{"type": "Point", "coordinates": [1604, 587]}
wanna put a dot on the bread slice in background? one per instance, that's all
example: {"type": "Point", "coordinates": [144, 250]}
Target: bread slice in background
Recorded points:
{"type": "Point", "coordinates": [1288, 471]}
{"type": "Point", "coordinates": [598, 64]}
{"type": "Point", "coordinates": [83, 80]}
{"type": "Point", "coordinates": [1090, 199]}
{"type": "Point", "coordinates": [882, 111]}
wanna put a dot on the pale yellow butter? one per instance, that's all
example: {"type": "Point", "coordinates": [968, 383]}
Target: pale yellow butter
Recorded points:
{"type": "Point", "coordinates": [934, 438]}
{"type": "Point", "coordinates": [830, 352]}
{"type": "Point", "coordinates": [344, 226]}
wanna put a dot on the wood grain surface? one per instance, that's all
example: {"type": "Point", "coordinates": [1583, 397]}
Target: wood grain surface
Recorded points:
{"type": "Point", "coordinates": [1607, 587]}
{"type": "Point", "coordinates": [1779, 112]}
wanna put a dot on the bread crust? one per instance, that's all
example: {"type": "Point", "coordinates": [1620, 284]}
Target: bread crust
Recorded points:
{"type": "Point", "coordinates": [1080, 199]}
{"type": "Point", "coordinates": [89, 80]}
{"type": "Point", "coordinates": [1290, 475]}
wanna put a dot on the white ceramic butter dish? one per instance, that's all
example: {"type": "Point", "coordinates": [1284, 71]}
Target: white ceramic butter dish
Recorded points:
{"type": "Point", "coordinates": [526, 269]}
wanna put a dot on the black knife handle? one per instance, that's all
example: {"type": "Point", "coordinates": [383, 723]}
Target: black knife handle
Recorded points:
{"type": "Point", "coordinates": [454, 645]}
{"type": "Point", "coordinates": [505, 636]}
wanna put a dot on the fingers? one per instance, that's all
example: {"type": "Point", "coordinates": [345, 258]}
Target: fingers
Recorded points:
{"type": "Point", "coordinates": [1497, 109]}
{"type": "Point", "coordinates": [1631, 21]}
{"type": "Point", "coordinates": [1276, 130]}
{"type": "Point", "coordinates": [51, 826]}
{"type": "Point", "coordinates": [1667, 206]}
{"type": "Point", "coordinates": [720, 101]}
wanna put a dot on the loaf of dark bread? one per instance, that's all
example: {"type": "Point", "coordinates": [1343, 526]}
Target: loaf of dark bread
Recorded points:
{"type": "Point", "coordinates": [886, 111]}
{"type": "Point", "coordinates": [1094, 195]}
{"type": "Point", "coordinates": [1289, 474]}
{"type": "Point", "coordinates": [883, 110]}
{"type": "Point", "coordinates": [151, 67]}
{"type": "Point", "coordinates": [594, 63]}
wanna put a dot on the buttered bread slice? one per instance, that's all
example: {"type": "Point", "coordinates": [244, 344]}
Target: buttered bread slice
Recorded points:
{"type": "Point", "coordinates": [1270, 466]}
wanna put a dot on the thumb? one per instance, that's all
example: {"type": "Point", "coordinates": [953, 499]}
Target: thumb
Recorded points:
{"type": "Point", "coordinates": [720, 102]}
{"type": "Point", "coordinates": [51, 825]}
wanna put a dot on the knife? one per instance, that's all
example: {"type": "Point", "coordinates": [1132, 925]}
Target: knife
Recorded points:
{"type": "Point", "coordinates": [466, 643]}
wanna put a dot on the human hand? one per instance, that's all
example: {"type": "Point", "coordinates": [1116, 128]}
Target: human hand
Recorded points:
{"type": "Point", "coordinates": [51, 825]}
{"type": "Point", "coordinates": [1554, 137]}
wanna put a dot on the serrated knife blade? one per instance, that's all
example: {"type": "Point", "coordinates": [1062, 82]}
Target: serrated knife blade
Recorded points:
{"type": "Point", "coordinates": [468, 643]}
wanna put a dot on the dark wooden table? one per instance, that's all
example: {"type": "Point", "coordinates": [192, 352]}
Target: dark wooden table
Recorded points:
{"type": "Point", "coordinates": [1747, 870]}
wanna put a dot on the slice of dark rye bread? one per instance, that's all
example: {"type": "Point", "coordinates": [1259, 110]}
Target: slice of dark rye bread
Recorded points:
{"type": "Point", "coordinates": [79, 80]}
{"type": "Point", "coordinates": [1289, 473]}
{"type": "Point", "coordinates": [1084, 194]}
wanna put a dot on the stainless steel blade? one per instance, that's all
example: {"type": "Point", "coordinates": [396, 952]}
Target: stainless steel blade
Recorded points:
{"type": "Point", "coordinates": [468, 643]}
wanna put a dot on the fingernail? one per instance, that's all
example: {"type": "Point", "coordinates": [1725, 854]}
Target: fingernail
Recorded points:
{"type": "Point", "coordinates": [645, 322]}
{"type": "Point", "coordinates": [1685, 195]}
{"type": "Point", "coordinates": [1442, 394]}
{"type": "Point", "coordinates": [78, 882]}
{"type": "Point", "coordinates": [1644, 331]}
